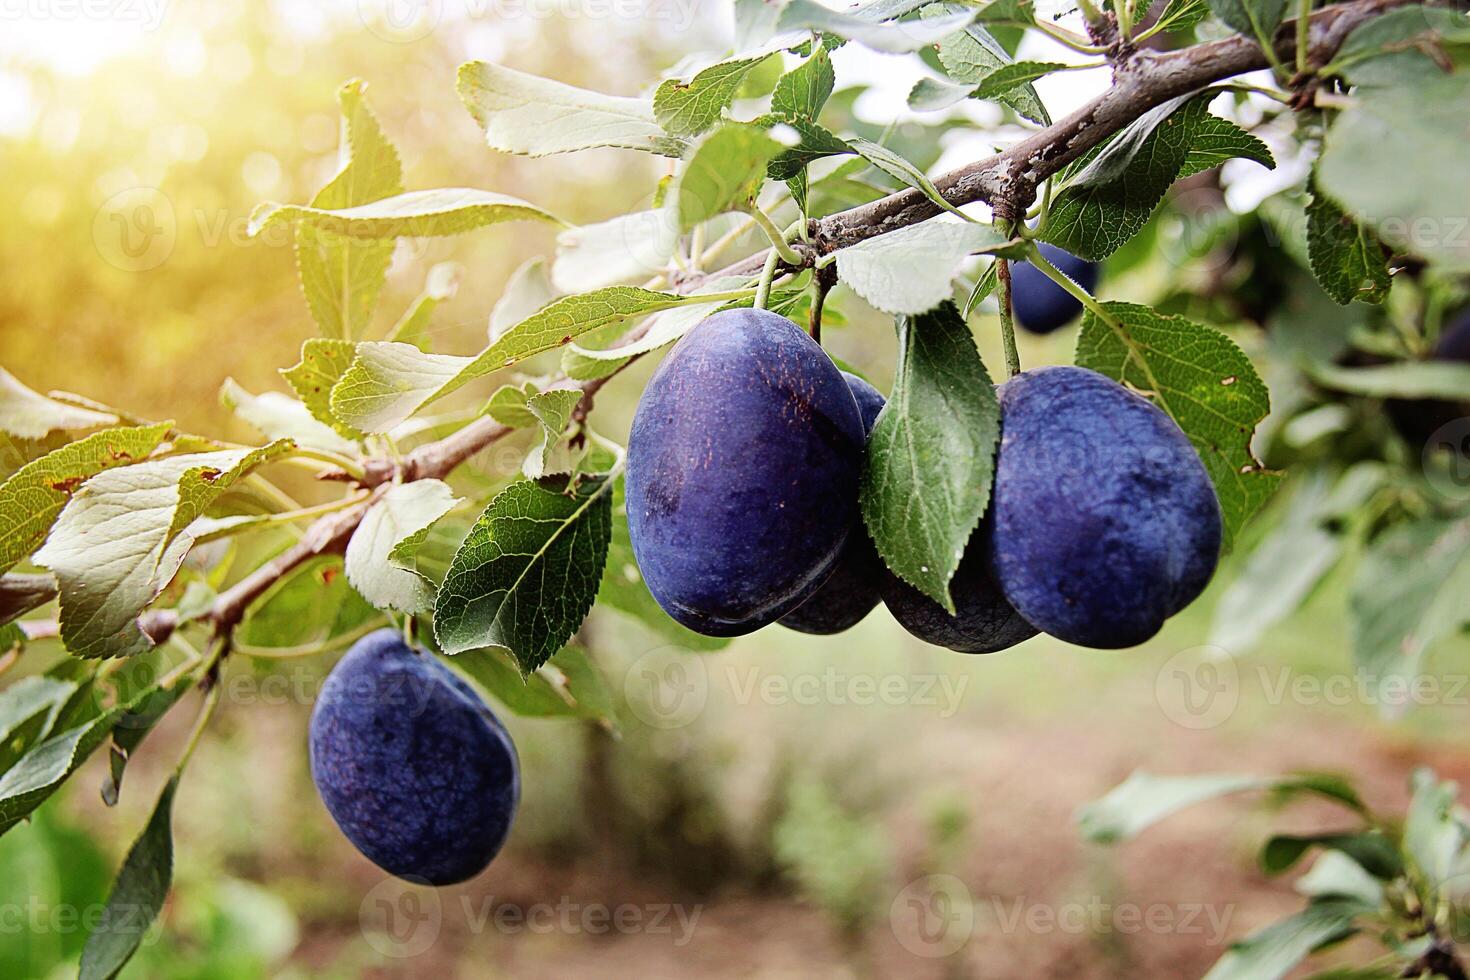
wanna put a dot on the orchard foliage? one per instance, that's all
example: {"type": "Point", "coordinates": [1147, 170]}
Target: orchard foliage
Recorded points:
{"type": "Point", "coordinates": [128, 527]}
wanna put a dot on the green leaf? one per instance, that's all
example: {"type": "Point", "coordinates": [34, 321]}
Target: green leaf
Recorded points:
{"type": "Point", "coordinates": [32, 498]}
{"type": "Point", "coordinates": [1400, 47]}
{"type": "Point", "coordinates": [417, 214]}
{"type": "Point", "coordinates": [1433, 837]}
{"type": "Point", "coordinates": [623, 589]}
{"type": "Point", "coordinates": [507, 405]}
{"type": "Point", "coordinates": [1144, 799]}
{"type": "Point", "coordinates": [724, 173]}
{"type": "Point", "coordinates": [277, 416]}
{"type": "Point", "coordinates": [1181, 15]}
{"type": "Point", "coordinates": [1214, 141]}
{"type": "Point", "coordinates": [1272, 952]}
{"type": "Point", "coordinates": [534, 116]}
{"type": "Point", "coordinates": [689, 108]}
{"type": "Point", "coordinates": [898, 168]}
{"type": "Point", "coordinates": [1347, 259]}
{"type": "Point", "coordinates": [440, 285]}
{"type": "Point", "coordinates": [1406, 379]}
{"type": "Point", "coordinates": [28, 415]}
{"type": "Point", "coordinates": [630, 246]}
{"type": "Point", "coordinates": [528, 290]}
{"type": "Point", "coordinates": [566, 686]}
{"type": "Point", "coordinates": [28, 710]}
{"type": "Point", "coordinates": [1407, 595]}
{"type": "Point", "coordinates": [1008, 78]}
{"type": "Point", "coordinates": [306, 609]}
{"type": "Point", "coordinates": [802, 92]}
{"type": "Point", "coordinates": [387, 383]}
{"type": "Point", "coordinates": [527, 574]}
{"type": "Point", "coordinates": [934, 94]}
{"type": "Point", "coordinates": [117, 544]}
{"type": "Point", "coordinates": [1370, 850]}
{"type": "Point", "coordinates": [405, 512]}
{"type": "Point", "coordinates": [553, 410]}
{"type": "Point", "coordinates": [1384, 162]}
{"type": "Point", "coordinates": [893, 37]}
{"type": "Point", "coordinates": [19, 594]}
{"type": "Point", "coordinates": [323, 362]}
{"type": "Point", "coordinates": [1253, 18]}
{"type": "Point", "coordinates": [931, 455]}
{"type": "Point", "coordinates": [137, 897]}
{"type": "Point", "coordinates": [1108, 195]}
{"type": "Point", "coordinates": [1019, 13]}
{"type": "Point", "coordinates": [1203, 381]}
{"type": "Point", "coordinates": [340, 278]}
{"type": "Point", "coordinates": [1334, 874]}
{"type": "Point", "coordinates": [812, 143]}
{"type": "Point", "coordinates": [130, 731]}
{"type": "Point", "coordinates": [912, 270]}
{"type": "Point", "coordinates": [971, 55]}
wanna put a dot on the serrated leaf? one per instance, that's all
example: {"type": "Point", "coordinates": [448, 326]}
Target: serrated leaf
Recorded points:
{"type": "Point", "coordinates": [1144, 799]}
{"type": "Point", "coordinates": [891, 36]}
{"type": "Point", "coordinates": [440, 285]}
{"type": "Point", "coordinates": [900, 169]}
{"type": "Point", "coordinates": [1181, 15]}
{"type": "Point", "coordinates": [1253, 18]}
{"type": "Point", "coordinates": [623, 589]}
{"type": "Point", "coordinates": [724, 173]}
{"type": "Point", "coordinates": [689, 108]}
{"type": "Point", "coordinates": [802, 92]}
{"type": "Point", "coordinates": [137, 896]}
{"type": "Point", "coordinates": [323, 362]}
{"type": "Point", "coordinates": [1408, 594]}
{"type": "Point", "coordinates": [1008, 78]}
{"type": "Point", "coordinates": [566, 686]}
{"type": "Point", "coordinates": [405, 511]}
{"type": "Point", "coordinates": [276, 416]}
{"type": "Point", "coordinates": [527, 574]}
{"type": "Point", "coordinates": [1383, 161]}
{"type": "Point", "coordinates": [119, 541]}
{"type": "Point", "coordinates": [507, 405]}
{"type": "Point", "coordinates": [1019, 13]}
{"type": "Point", "coordinates": [1203, 381]}
{"type": "Point", "coordinates": [812, 143]}
{"type": "Point", "coordinates": [553, 410]}
{"type": "Point", "coordinates": [1347, 258]}
{"type": "Point", "coordinates": [524, 114]}
{"type": "Point", "coordinates": [342, 278]}
{"type": "Point", "coordinates": [416, 214]}
{"type": "Point", "coordinates": [931, 455]}
{"type": "Point", "coordinates": [912, 270]}
{"type": "Point", "coordinates": [1272, 952]}
{"type": "Point", "coordinates": [32, 498]}
{"type": "Point", "coordinates": [528, 290]}
{"type": "Point", "coordinates": [971, 55]}
{"type": "Point", "coordinates": [387, 383]}
{"type": "Point", "coordinates": [630, 246]}
{"type": "Point", "coordinates": [25, 414]}
{"type": "Point", "coordinates": [1215, 141]}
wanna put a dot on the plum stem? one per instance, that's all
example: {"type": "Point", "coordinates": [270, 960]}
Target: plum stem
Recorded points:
{"type": "Point", "coordinates": [1034, 256]}
{"type": "Point", "coordinates": [1007, 326]}
{"type": "Point", "coordinates": [779, 244]}
{"type": "Point", "coordinates": [768, 273]}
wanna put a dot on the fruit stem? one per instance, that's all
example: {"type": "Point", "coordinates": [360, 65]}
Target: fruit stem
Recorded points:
{"type": "Point", "coordinates": [1303, 28]}
{"type": "Point", "coordinates": [768, 273]}
{"type": "Point", "coordinates": [1007, 327]}
{"type": "Point", "coordinates": [787, 254]}
{"type": "Point", "coordinates": [1034, 256]}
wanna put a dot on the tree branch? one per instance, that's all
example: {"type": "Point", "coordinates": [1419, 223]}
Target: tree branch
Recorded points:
{"type": "Point", "coordinates": [1007, 181]}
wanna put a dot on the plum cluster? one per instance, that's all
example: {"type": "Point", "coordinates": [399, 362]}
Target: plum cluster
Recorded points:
{"type": "Point", "coordinates": [742, 496]}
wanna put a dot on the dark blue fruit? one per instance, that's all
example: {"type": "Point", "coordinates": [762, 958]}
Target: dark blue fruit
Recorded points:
{"type": "Point", "coordinates": [743, 467]}
{"type": "Point", "coordinates": [412, 765]}
{"type": "Point", "coordinates": [1104, 522]}
{"type": "Point", "coordinates": [984, 621]}
{"type": "Point", "coordinates": [1040, 305]}
{"type": "Point", "coordinates": [851, 591]}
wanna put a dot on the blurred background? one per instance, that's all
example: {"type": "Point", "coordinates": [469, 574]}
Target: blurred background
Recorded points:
{"type": "Point", "coordinates": [773, 809]}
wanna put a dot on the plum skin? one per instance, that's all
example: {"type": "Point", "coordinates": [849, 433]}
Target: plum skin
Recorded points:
{"type": "Point", "coordinates": [852, 590]}
{"type": "Point", "coordinates": [1039, 304]}
{"type": "Point", "coordinates": [416, 771]}
{"type": "Point", "coordinates": [1103, 522]}
{"type": "Point", "coordinates": [984, 622]}
{"type": "Point", "coordinates": [742, 473]}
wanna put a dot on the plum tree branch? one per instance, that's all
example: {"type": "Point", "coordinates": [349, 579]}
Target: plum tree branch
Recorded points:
{"type": "Point", "coordinates": [1008, 181]}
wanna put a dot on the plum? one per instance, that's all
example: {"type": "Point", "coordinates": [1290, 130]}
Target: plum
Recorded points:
{"type": "Point", "coordinates": [417, 772]}
{"type": "Point", "coordinates": [1104, 522]}
{"type": "Point", "coordinates": [852, 590]}
{"type": "Point", "coordinates": [984, 622]}
{"type": "Point", "coordinates": [742, 478]}
{"type": "Point", "coordinates": [1040, 305]}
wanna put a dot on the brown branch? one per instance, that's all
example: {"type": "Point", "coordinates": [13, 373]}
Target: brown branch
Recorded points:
{"type": "Point", "coordinates": [1008, 181]}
